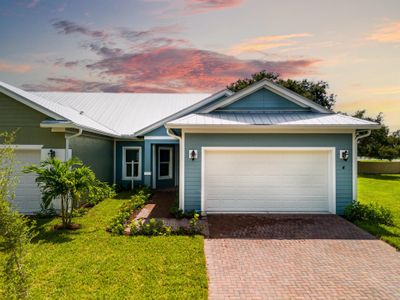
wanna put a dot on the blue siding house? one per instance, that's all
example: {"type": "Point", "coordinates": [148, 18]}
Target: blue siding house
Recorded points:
{"type": "Point", "coordinates": [262, 149]}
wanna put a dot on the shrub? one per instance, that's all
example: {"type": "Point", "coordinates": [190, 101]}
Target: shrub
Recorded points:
{"type": "Point", "coordinates": [137, 201]}
{"type": "Point", "coordinates": [152, 228]}
{"type": "Point", "coordinates": [99, 191]}
{"type": "Point", "coordinates": [16, 231]}
{"type": "Point", "coordinates": [372, 213]}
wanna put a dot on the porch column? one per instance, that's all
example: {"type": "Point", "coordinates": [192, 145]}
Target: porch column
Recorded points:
{"type": "Point", "coordinates": [147, 163]}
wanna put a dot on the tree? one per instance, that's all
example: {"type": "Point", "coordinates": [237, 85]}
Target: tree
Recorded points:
{"type": "Point", "coordinates": [15, 230]}
{"type": "Point", "coordinates": [380, 143]}
{"type": "Point", "coordinates": [63, 180]}
{"type": "Point", "coordinates": [69, 181]}
{"type": "Point", "coordinates": [315, 91]}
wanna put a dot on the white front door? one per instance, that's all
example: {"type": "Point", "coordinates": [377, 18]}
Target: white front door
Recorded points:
{"type": "Point", "coordinates": [268, 180]}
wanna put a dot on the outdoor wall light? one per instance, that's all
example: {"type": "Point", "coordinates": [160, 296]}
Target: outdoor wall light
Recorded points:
{"type": "Point", "coordinates": [52, 153]}
{"type": "Point", "coordinates": [193, 154]}
{"type": "Point", "coordinates": [344, 155]}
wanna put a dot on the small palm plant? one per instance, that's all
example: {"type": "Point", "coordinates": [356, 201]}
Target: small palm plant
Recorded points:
{"type": "Point", "coordinates": [63, 180]}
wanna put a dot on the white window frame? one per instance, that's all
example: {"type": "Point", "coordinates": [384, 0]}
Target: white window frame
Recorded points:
{"type": "Point", "coordinates": [169, 176]}
{"type": "Point", "coordinates": [124, 177]}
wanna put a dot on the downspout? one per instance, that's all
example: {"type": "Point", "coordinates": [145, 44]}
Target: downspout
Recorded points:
{"type": "Point", "coordinates": [355, 161]}
{"type": "Point", "coordinates": [67, 138]}
{"type": "Point", "coordinates": [181, 166]}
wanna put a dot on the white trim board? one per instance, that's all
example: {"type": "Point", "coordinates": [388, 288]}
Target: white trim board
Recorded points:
{"type": "Point", "coordinates": [268, 130]}
{"type": "Point", "coordinates": [124, 177]}
{"type": "Point", "coordinates": [170, 163]}
{"type": "Point", "coordinates": [159, 138]}
{"type": "Point", "coordinates": [184, 111]}
{"type": "Point", "coordinates": [331, 167]}
{"type": "Point", "coordinates": [22, 147]}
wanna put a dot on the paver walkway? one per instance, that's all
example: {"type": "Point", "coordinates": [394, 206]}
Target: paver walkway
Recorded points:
{"type": "Point", "coordinates": [297, 257]}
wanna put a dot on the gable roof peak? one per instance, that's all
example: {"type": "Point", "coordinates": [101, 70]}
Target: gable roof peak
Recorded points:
{"type": "Point", "coordinates": [273, 87]}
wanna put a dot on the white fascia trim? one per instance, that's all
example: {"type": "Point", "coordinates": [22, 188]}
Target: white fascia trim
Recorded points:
{"type": "Point", "coordinates": [159, 138]}
{"type": "Point", "coordinates": [22, 147]}
{"type": "Point", "coordinates": [124, 177]}
{"type": "Point", "coordinates": [266, 131]}
{"type": "Point", "coordinates": [183, 112]}
{"type": "Point", "coordinates": [267, 127]}
{"type": "Point", "coordinates": [331, 166]}
{"type": "Point", "coordinates": [30, 103]}
{"type": "Point", "coordinates": [288, 94]}
{"type": "Point", "coordinates": [69, 124]}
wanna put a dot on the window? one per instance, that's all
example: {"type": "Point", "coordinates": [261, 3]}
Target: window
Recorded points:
{"type": "Point", "coordinates": [131, 164]}
{"type": "Point", "coordinates": [164, 163]}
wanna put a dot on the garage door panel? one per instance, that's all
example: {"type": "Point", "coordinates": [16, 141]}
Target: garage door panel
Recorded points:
{"type": "Point", "coordinates": [266, 180]}
{"type": "Point", "coordinates": [27, 194]}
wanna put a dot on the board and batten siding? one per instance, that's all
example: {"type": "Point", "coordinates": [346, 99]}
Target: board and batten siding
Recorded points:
{"type": "Point", "coordinates": [96, 152]}
{"type": "Point", "coordinates": [262, 100]}
{"type": "Point", "coordinates": [195, 141]}
{"type": "Point", "coordinates": [17, 116]}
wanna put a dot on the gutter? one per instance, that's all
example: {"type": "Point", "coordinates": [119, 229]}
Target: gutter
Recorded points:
{"type": "Point", "coordinates": [361, 136]}
{"type": "Point", "coordinates": [171, 133]}
{"type": "Point", "coordinates": [67, 139]}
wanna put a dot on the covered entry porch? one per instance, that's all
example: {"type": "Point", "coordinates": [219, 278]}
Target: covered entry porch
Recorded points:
{"type": "Point", "coordinates": [161, 162]}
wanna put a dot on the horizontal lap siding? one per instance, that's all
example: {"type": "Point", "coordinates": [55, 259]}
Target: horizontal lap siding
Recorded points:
{"type": "Point", "coordinates": [196, 141]}
{"type": "Point", "coordinates": [17, 116]}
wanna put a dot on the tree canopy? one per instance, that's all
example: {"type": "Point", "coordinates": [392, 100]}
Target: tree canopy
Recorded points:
{"type": "Point", "coordinates": [315, 91]}
{"type": "Point", "coordinates": [380, 144]}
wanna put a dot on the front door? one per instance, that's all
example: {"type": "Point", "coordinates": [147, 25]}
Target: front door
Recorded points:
{"type": "Point", "coordinates": [165, 167]}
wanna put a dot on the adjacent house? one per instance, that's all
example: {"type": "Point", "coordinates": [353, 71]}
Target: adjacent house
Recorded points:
{"type": "Point", "coordinates": [262, 149]}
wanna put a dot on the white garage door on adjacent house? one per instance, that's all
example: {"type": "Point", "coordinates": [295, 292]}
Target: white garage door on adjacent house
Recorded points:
{"type": "Point", "coordinates": [268, 180]}
{"type": "Point", "coordinates": [27, 195]}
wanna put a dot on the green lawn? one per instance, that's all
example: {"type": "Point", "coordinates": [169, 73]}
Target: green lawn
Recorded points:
{"type": "Point", "coordinates": [92, 264]}
{"type": "Point", "coordinates": [384, 190]}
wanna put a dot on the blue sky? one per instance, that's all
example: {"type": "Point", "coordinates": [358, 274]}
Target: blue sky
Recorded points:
{"type": "Point", "coordinates": [203, 45]}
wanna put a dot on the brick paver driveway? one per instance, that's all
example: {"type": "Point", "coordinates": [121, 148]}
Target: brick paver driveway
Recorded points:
{"type": "Point", "coordinates": [297, 256]}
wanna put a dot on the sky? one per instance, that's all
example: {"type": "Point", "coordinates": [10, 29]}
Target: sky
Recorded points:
{"type": "Point", "coordinates": [187, 46]}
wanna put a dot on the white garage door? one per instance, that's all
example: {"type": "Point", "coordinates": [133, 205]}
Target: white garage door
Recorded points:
{"type": "Point", "coordinates": [267, 180]}
{"type": "Point", "coordinates": [27, 194]}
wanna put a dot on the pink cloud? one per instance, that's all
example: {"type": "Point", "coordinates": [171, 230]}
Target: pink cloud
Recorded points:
{"type": "Point", "coordinates": [151, 61]}
{"type": "Point", "coordinates": [201, 6]}
{"type": "Point", "coordinates": [189, 69]}
{"type": "Point", "coordinates": [386, 33]}
{"type": "Point", "coordinates": [14, 68]}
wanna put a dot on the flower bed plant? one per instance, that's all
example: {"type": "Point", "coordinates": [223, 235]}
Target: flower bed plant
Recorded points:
{"type": "Point", "coordinates": [156, 227]}
{"type": "Point", "coordinates": [178, 213]}
{"type": "Point", "coordinates": [118, 223]}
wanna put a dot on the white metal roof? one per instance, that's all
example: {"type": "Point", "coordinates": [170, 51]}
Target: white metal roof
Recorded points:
{"type": "Point", "coordinates": [281, 119]}
{"type": "Point", "coordinates": [54, 109]}
{"type": "Point", "coordinates": [122, 112]}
